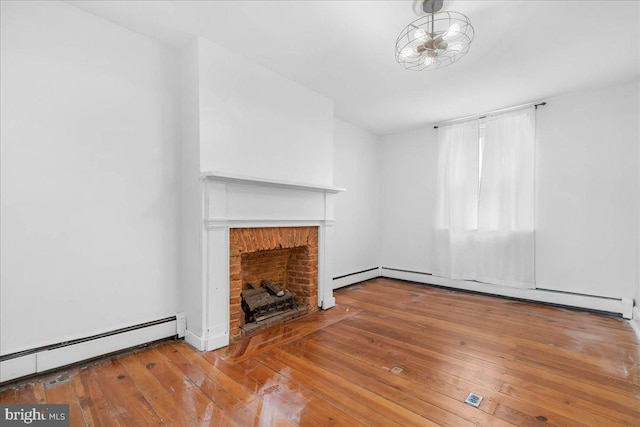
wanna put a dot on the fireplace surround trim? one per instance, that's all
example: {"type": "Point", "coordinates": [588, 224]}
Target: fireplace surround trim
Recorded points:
{"type": "Point", "coordinates": [242, 202]}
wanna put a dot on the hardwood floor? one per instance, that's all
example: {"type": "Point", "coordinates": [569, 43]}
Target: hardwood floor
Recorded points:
{"type": "Point", "coordinates": [390, 353]}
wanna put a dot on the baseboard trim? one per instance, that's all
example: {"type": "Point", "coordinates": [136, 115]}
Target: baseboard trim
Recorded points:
{"type": "Point", "coordinates": [195, 341]}
{"type": "Point", "coordinates": [327, 303]}
{"type": "Point", "coordinates": [607, 305]}
{"type": "Point", "coordinates": [42, 359]}
{"type": "Point", "coordinates": [215, 340]}
{"type": "Point", "coordinates": [360, 276]}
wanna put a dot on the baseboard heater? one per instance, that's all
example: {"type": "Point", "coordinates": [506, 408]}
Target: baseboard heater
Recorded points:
{"type": "Point", "coordinates": [53, 356]}
{"type": "Point", "coordinates": [359, 276]}
{"type": "Point", "coordinates": [620, 306]}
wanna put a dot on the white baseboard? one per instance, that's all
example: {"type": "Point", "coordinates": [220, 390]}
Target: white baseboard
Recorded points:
{"type": "Point", "coordinates": [195, 341]}
{"type": "Point", "coordinates": [356, 278]}
{"type": "Point", "coordinates": [48, 359]}
{"type": "Point", "coordinates": [610, 305]}
{"type": "Point", "coordinates": [327, 303]}
{"type": "Point", "coordinates": [635, 322]}
{"type": "Point", "coordinates": [215, 340]}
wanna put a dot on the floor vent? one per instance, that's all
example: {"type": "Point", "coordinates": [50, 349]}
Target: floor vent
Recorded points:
{"type": "Point", "coordinates": [473, 399]}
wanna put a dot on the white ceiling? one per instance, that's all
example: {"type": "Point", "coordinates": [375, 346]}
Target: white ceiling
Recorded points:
{"type": "Point", "coordinates": [523, 50]}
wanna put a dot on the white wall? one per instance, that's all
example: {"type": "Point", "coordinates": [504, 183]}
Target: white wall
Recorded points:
{"type": "Point", "coordinates": [357, 211]}
{"type": "Point", "coordinates": [636, 313]}
{"type": "Point", "coordinates": [408, 168]}
{"type": "Point", "coordinates": [89, 174]}
{"type": "Point", "coordinates": [637, 296]}
{"type": "Point", "coordinates": [191, 193]}
{"type": "Point", "coordinates": [586, 194]}
{"type": "Point", "coordinates": [257, 123]}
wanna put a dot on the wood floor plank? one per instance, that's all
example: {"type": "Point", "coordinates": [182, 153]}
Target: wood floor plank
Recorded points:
{"type": "Point", "coordinates": [95, 403]}
{"type": "Point", "coordinates": [236, 389]}
{"type": "Point", "coordinates": [297, 403]}
{"type": "Point", "coordinates": [574, 408]}
{"type": "Point", "coordinates": [64, 393]}
{"type": "Point", "coordinates": [236, 410]}
{"type": "Point", "coordinates": [456, 349]}
{"type": "Point", "coordinates": [83, 399]}
{"type": "Point", "coordinates": [575, 368]}
{"type": "Point", "coordinates": [8, 396]}
{"type": "Point", "coordinates": [488, 326]}
{"type": "Point", "coordinates": [389, 358]}
{"type": "Point", "coordinates": [122, 393]}
{"type": "Point", "coordinates": [607, 401]}
{"type": "Point", "coordinates": [518, 418]}
{"type": "Point", "coordinates": [29, 393]}
{"type": "Point", "coordinates": [277, 335]}
{"type": "Point", "coordinates": [302, 404]}
{"type": "Point", "coordinates": [531, 378]}
{"type": "Point", "coordinates": [218, 387]}
{"type": "Point", "coordinates": [360, 410]}
{"type": "Point", "coordinates": [343, 384]}
{"type": "Point", "coordinates": [157, 394]}
{"type": "Point", "coordinates": [630, 380]}
{"type": "Point", "coordinates": [412, 394]}
{"type": "Point", "coordinates": [591, 363]}
{"type": "Point", "coordinates": [199, 409]}
{"type": "Point", "coordinates": [391, 353]}
{"type": "Point", "coordinates": [518, 312]}
{"type": "Point", "coordinates": [447, 332]}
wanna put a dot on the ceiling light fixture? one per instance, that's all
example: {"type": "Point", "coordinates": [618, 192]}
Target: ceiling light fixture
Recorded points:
{"type": "Point", "coordinates": [434, 40]}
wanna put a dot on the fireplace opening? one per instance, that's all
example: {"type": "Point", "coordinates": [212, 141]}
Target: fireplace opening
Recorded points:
{"type": "Point", "coordinates": [267, 305]}
{"type": "Point", "coordinates": [266, 301]}
{"type": "Point", "coordinates": [270, 281]}
{"type": "Point", "coordinates": [273, 276]}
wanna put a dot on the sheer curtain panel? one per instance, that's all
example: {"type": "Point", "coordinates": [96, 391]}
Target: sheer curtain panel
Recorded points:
{"type": "Point", "coordinates": [485, 211]}
{"type": "Point", "coordinates": [457, 204]}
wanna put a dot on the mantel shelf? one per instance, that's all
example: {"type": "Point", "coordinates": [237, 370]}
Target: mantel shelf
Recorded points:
{"type": "Point", "coordinates": [272, 183]}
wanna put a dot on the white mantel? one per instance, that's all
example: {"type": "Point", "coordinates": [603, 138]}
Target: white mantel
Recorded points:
{"type": "Point", "coordinates": [273, 183]}
{"type": "Point", "coordinates": [231, 201]}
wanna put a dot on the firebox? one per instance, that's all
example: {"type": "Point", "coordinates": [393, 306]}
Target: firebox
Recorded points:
{"type": "Point", "coordinates": [273, 276]}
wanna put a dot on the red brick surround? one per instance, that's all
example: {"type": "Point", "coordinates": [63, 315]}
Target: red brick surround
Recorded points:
{"type": "Point", "coordinates": [281, 254]}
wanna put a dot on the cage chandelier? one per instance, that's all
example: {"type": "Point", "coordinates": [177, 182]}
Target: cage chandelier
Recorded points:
{"type": "Point", "coordinates": [434, 40]}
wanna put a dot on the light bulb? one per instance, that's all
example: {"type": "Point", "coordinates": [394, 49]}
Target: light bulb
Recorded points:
{"type": "Point", "coordinates": [427, 61]}
{"type": "Point", "coordinates": [408, 52]}
{"type": "Point", "coordinates": [452, 31]}
{"type": "Point", "coordinates": [456, 47]}
{"type": "Point", "coordinates": [420, 34]}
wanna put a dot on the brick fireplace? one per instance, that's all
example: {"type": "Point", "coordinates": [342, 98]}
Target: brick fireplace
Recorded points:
{"type": "Point", "coordinates": [284, 255]}
{"type": "Point", "coordinates": [280, 231]}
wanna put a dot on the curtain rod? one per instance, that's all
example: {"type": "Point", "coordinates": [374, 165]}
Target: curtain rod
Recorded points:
{"type": "Point", "coordinates": [483, 115]}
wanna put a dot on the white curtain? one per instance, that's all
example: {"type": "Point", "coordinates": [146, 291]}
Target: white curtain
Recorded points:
{"type": "Point", "coordinates": [457, 214]}
{"type": "Point", "coordinates": [485, 212]}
